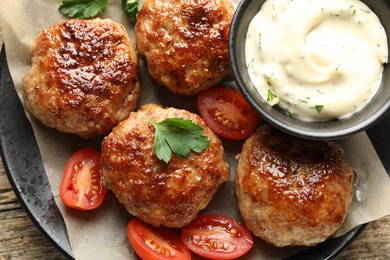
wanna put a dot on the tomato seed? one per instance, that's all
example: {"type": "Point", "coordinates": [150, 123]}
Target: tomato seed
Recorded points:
{"type": "Point", "coordinates": [149, 242]}
{"type": "Point", "coordinates": [225, 246]}
{"type": "Point", "coordinates": [233, 231]}
{"type": "Point", "coordinates": [213, 244]}
{"type": "Point", "coordinates": [225, 121]}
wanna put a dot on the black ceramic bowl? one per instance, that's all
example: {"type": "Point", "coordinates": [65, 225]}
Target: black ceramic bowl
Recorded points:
{"type": "Point", "coordinates": [327, 130]}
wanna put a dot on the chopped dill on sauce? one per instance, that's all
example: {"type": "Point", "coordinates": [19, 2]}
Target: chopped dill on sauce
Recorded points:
{"type": "Point", "coordinates": [250, 63]}
{"type": "Point", "coordinates": [366, 11]}
{"type": "Point", "coordinates": [260, 41]}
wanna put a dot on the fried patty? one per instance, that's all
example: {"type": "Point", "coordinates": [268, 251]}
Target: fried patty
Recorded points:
{"type": "Point", "coordinates": [185, 43]}
{"type": "Point", "coordinates": [292, 191]}
{"type": "Point", "coordinates": [159, 193]}
{"type": "Point", "coordinates": [84, 77]}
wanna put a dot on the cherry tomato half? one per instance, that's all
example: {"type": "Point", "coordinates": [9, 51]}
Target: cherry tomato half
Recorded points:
{"type": "Point", "coordinates": [151, 242]}
{"type": "Point", "coordinates": [227, 113]}
{"type": "Point", "coordinates": [82, 183]}
{"type": "Point", "coordinates": [217, 237]}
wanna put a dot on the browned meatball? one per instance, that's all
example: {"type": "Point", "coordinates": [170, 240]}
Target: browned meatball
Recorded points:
{"type": "Point", "coordinates": [158, 193]}
{"type": "Point", "coordinates": [185, 43]}
{"type": "Point", "coordinates": [292, 191]}
{"type": "Point", "coordinates": [84, 77]}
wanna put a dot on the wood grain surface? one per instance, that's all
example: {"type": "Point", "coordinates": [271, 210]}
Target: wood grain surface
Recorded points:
{"type": "Point", "coordinates": [21, 239]}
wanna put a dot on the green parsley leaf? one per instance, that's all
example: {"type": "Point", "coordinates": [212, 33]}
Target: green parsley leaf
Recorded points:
{"type": "Point", "coordinates": [83, 8]}
{"type": "Point", "coordinates": [319, 108]}
{"type": "Point", "coordinates": [179, 136]}
{"type": "Point", "coordinates": [131, 9]}
{"type": "Point", "coordinates": [271, 95]}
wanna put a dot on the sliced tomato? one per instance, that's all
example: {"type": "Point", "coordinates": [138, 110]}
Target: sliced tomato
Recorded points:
{"type": "Point", "coordinates": [227, 113]}
{"type": "Point", "coordinates": [151, 242]}
{"type": "Point", "coordinates": [82, 183]}
{"type": "Point", "coordinates": [217, 237]}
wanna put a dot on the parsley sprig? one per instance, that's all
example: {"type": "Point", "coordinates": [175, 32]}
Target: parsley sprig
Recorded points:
{"type": "Point", "coordinates": [84, 9]}
{"type": "Point", "coordinates": [131, 9]}
{"type": "Point", "coordinates": [178, 136]}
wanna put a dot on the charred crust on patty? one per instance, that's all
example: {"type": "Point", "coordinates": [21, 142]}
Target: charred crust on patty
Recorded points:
{"type": "Point", "coordinates": [185, 43]}
{"type": "Point", "coordinates": [292, 191]}
{"type": "Point", "coordinates": [84, 77]}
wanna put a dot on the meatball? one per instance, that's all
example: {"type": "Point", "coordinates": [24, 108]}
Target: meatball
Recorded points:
{"type": "Point", "coordinates": [159, 193]}
{"type": "Point", "coordinates": [292, 191]}
{"type": "Point", "coordinates": [84, 77]}
{"type": "Point", "coordinates": [185, 43]}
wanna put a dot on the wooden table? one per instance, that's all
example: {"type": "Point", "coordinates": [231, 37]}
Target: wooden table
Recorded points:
{"type": "Point", "coordinates": [21, 239]}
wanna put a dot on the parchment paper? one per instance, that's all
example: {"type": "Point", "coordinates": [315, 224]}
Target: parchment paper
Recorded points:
{"type": "Point", "coordinates": [101, 234]}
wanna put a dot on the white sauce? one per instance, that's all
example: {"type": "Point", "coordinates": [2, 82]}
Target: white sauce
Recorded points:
{"type": "Point", "coordinates": [317, 60]}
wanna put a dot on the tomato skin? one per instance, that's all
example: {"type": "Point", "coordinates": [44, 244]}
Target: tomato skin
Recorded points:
{"type": "Point", "coordinates": [143, 237]}
{"type": "Point", "coordinates": [227, 113]}
{"type": "Point", "coordinates": [82, 182]}
{"type": "Point", "coordinates": [217, 237]}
